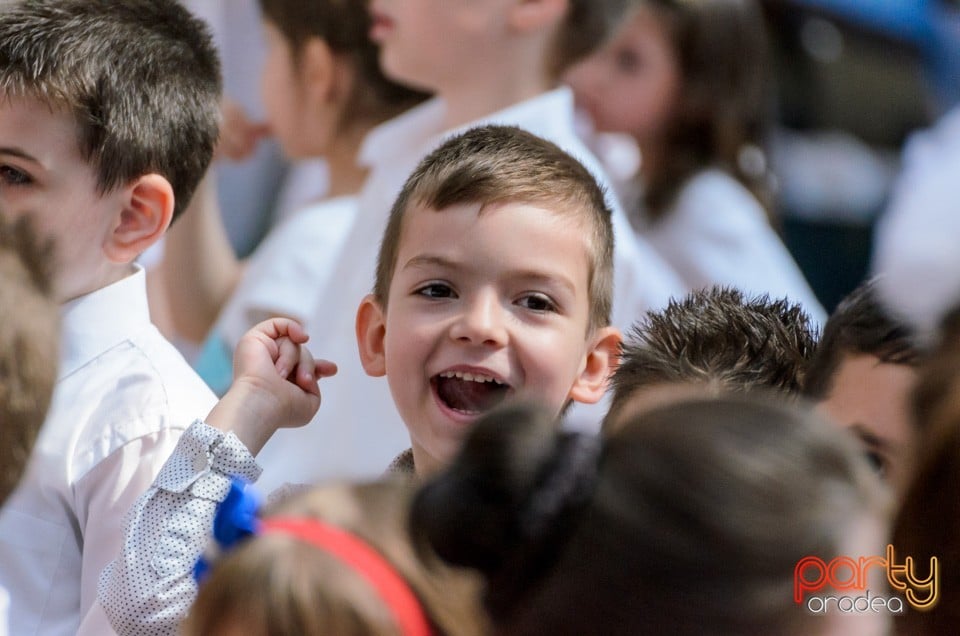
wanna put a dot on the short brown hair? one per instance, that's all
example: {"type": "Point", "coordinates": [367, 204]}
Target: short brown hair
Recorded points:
{"type": "Point", "coordinates": [29, 342]}
{"type": "Point", "coordinates": [587, 24]}
{"type": "Point", "coordinates": [141, 79]}
{"type": "Point", "coordinates": [720, 337]}
{"type": "Point", "coordinates": [278, 584]}
{"type": "Point", "coordinates": [497, 164]}
{"type": "Point", "coordinates": [859, 325]}
{"type": "Point", "coordinates": [345, 26]}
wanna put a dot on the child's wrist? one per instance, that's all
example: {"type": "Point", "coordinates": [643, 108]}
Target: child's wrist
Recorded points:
{"type": "Point", "coordinates": [244, 410]}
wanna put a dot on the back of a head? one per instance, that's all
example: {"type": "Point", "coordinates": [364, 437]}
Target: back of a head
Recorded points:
{"type": "Point", "coordinates": [344, 25]}
{"type": "Point", "coordinates": [860, 325]}
{"type": "Point", "coordinates": [497, 164]}
{"type": "Point", "coordinates": [694, 515]}
{"type": "Point", "coordinates": [280, 584]}
{"type": "Point", "coordinates": [928, 521]}
{"type": "Point", "coordinates": [141, 78]}
{"type": "Point", "coordinates": [719, 339]}
{"type": "Point", "coordinates": [29, 348]}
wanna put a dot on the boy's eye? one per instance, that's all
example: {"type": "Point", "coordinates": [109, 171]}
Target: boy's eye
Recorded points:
{"type": "Point", "coordinates": [12, 176]}
{"type": "Point", "coordinates": [537, 302]}
{"type": "Point", "coordinates": [436, 290]}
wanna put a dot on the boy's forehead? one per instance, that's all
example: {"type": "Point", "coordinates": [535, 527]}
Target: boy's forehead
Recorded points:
{"type": "Point", "coordinates": [36, 125]}
{"type": "Point", "coordinates": [510, 236]}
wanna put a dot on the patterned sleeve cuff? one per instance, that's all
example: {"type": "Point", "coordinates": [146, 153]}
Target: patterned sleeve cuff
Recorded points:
{"type": "Point", "coordinates": [204, 462]}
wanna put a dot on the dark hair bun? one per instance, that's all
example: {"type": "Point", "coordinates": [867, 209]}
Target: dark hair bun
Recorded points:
{"type": "Point", "coordinates": [503, 507]}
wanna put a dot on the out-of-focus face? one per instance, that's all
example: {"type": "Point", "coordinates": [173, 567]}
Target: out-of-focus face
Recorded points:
{"type": "Point", "coordinates": [280, 90]}
{"type": "Point", "coordinates": [632, 83]}
{"type": "Point", "coordinates": [871, 398]}
{"type": "Point", "coordinates": [434, 44]}
{"type": "Point", "coordinates": [484, 305]}
{"type": "Point", "coordinates": [43, 175]}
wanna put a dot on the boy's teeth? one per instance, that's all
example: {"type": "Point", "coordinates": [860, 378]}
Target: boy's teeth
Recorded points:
{"type": "Point", "coordinates": [469, 377]}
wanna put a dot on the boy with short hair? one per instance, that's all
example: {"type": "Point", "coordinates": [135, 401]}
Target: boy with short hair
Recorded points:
{"type": "Point", "coordinates": [487, 61]}
{"type": "Point", "coordinates": [714, 340]}
{"type": "Point", "coordinates": [862, 377]}
{"type": "Point", "coordinates": [108, 118]}
{"type": "Point", "coordinates": [493, 283]}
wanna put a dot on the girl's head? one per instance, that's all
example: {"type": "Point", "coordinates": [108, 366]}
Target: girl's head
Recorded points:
{"type": "Point", "coordinates": [313, 581]}
{"type": "Point", "coordinates": [688, 80]}
{"type": "Point", "coordinates": [322, 76]}
{"type": "Point", "coordinates": [692, 514]}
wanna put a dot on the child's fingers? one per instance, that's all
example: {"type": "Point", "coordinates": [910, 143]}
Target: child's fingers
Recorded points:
{"type": "Point", "coordinates": [306, 372]}
{"type": "Point", "coordinates": [288, 356]}
{"type": "Point", "coordinates": [239, 135]}
{"type": "Point", "coordinates": [324, 368]}
{"type": "Point", "coordinates": [275, 328]}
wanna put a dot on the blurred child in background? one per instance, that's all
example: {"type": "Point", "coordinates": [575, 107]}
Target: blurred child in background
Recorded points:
{"type": "Point", "coordinates": [336, 560]}
{"type": "Point", "coordinates": [863, 375]}
{"type": "Point", "coordinates": [29, 349]}
{"type": "Point", "coordinates": [28, 346]}
{"type": "Point", "coordinates": [687, 80]}
{"type": "Point", "coordinates": [323, 91]}
{"type": "Point", "coordinates": [689, 519]}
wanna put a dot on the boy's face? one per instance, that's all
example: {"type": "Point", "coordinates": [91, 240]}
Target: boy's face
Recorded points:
{"type": "Point", "coordinates": [42, 174]}
{"type": "Point", "coordinates": [429, 43]}
{"type": "Point", "coordinates": [870, 398]}
{"type": "Point", "coordinates": [632, 83]}
{"type": "Point", "coordinates": [484, 305]}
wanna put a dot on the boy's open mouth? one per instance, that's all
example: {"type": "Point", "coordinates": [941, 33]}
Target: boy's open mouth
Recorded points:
{"type": "Point", "coordinates": [470, 393]}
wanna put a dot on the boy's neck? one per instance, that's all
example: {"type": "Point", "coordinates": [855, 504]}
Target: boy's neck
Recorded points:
{"type": "Point", "coordinates": [471, 101]}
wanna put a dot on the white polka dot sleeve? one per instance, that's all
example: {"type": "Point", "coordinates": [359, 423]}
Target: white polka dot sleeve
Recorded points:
{"type": "Point", "coordinates": [148, 589]}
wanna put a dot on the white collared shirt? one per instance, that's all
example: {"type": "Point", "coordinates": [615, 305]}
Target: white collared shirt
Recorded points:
{"type": "Point", "coordinates": [717, 233]}
{"type": "Point", "coordinates": [289, 269]}
{"type": "Point", "coordinates": [358, 430]}
{"type": "Point", "coordinates": [123, 398]}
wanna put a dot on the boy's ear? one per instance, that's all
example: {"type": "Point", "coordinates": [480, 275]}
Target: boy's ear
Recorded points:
{"type": "Point", "coordinates": [602, 360]}
{"type": "Point", "coordinates": [147, 211]}
{"type": "Point", "coordinates": [533, 15]}
{"type": "Point", "coordinates": [371, 330]}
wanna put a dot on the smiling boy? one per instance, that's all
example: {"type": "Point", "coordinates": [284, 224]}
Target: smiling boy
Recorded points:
{"type": "Point", "coordinates": [108, 117]}
{"type": "Point", "coordinates": [486, 62]}
{"type": "Point", "coordinates": [494, 278]}
{"type": "Point", "coordinates": [493, 283]}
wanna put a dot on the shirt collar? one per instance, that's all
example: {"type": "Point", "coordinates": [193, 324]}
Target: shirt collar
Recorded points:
{"type": "Point", "coordinates": [542, 115]}
{"type": "Point", "coordinates": [102, 319]}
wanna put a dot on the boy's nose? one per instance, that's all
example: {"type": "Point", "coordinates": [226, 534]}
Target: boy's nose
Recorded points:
{"type": "Point", "coordinates": [481, 321]}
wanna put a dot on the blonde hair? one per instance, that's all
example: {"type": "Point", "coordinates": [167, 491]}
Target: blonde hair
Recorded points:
{"type": "Point", "coordinates": [278, 584]}
{"type": "Point", "coordinates": [28, 346]}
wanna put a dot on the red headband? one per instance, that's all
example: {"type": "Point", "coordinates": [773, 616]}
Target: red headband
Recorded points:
{"type": "Point", "coordinates": [354, 552]}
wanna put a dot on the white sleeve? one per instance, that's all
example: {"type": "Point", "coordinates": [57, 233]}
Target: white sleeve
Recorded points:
{"type": "Point", "coordinates": [148, 589]}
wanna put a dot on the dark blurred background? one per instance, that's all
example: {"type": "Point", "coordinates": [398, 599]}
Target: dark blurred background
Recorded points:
{"type": "Point", "coordinates": [855, 79]}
